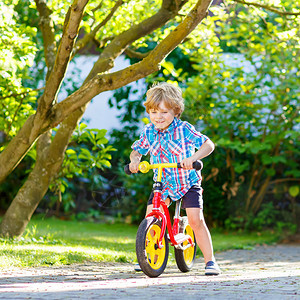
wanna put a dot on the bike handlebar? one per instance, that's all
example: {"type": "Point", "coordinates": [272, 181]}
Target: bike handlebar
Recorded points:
{"type": "Point", "coordinates": [127, 170]}
{"type": "Point", "coordinates": [197, 165]}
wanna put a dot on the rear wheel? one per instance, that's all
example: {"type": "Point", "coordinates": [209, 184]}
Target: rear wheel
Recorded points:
{"type": "Point", "coordinates": [185, 258]}
{"type": "Point", "coordinates": [151, 258]}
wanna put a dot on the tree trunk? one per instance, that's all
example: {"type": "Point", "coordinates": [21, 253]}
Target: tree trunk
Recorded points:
{"type": "Point", "coordinates": [24, 204]}
{"type": "Point", "coordinates": [260, 196]}
{"type": "Point", "coordinates": [50, 156]}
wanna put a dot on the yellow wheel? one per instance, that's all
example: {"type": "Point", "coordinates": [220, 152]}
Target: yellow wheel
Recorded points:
{"type": "Point", "coordinates": [185, 258]}
{"type": "Point", "coordinates": [151, 258]}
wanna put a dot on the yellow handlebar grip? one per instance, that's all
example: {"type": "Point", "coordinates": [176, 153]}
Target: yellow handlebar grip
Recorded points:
{"type": "Point", "coordinates": [144, 167]}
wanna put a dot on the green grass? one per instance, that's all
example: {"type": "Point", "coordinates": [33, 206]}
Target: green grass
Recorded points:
{"type": "Point", "coordinates": [57, 242]}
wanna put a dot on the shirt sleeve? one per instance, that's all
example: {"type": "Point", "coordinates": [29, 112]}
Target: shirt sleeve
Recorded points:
{"type": "Point", "coordinates": [141, 145]}
{"type": "Point", "coordinates": [194, 136]}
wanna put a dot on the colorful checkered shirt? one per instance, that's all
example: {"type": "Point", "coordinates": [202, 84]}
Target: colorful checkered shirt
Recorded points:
{"type": "Point", "coordinates": [172, 145]}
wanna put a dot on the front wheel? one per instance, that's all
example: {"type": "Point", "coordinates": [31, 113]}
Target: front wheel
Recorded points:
{"type": "Point", "coordinates": [151, 258]}
{"type": "Point", "coordinates": [185, 258]}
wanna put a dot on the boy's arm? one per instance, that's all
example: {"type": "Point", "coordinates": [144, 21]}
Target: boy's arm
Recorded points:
{"type": "Point", "coordinates": [135, 159]}
{"type": "Point", "coordinates": [206, 149]}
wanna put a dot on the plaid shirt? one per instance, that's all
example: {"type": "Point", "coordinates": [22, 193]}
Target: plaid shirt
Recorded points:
{"type": "Point", "coordinates": [172, 145]}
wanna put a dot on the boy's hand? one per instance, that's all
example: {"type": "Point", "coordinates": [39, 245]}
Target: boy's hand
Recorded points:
{"type": "Point", "coordinates": [187, 163]}
{"type": "Point", "coordinates": [134, 167]}
{"type": "Point", "coordinates": [135, 159]}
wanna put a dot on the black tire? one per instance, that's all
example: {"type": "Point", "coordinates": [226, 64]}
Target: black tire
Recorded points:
{"type": "Point", "coordinates": [185, 258]}
{"type": "Point", "coordinates": [151, 259]}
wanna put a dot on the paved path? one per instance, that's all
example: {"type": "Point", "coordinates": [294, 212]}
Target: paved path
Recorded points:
{"type": "Point", "coordinates": [266, 272]}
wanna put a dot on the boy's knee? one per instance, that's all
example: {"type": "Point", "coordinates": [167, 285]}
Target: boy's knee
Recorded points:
{"type": "Point", "coordinates": [196, 222]}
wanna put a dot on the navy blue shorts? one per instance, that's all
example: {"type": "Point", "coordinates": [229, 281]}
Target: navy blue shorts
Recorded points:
{"type": "Point", "coordinates": [193, 198]}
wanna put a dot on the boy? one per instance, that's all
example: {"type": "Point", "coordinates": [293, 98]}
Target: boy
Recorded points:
{"type": "Point", "coordinates": [171, 140]}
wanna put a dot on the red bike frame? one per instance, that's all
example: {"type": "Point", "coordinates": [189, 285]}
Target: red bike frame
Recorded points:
{"type": "Point", "coordinates": [166, 220]}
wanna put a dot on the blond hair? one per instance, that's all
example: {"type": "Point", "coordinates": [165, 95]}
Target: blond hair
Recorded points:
{"type": "Point", "coordinates": [167, 93]}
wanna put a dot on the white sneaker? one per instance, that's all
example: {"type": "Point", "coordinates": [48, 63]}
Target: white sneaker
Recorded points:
{"type": "Point", "coordinates": [212, 268]}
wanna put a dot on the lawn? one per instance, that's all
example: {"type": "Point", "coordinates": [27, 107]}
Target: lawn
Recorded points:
{"type": "Point", "coordinates": [59, 242]}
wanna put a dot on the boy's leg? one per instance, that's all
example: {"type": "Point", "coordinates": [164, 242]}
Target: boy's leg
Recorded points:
{"type": "Point", "coordinates": [203, 238]}
{"type": "Point", "coordinates": [149, 209]}
{"type": "Point", "coordinates": [202, 234]}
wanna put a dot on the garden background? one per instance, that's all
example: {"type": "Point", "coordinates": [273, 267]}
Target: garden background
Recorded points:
{"type": "Point", "coordinates": [239, 72]}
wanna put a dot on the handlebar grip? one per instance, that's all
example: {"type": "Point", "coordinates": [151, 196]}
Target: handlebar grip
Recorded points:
{"type": "Point", "coordinates": [127, 170]}
{"type": "Point", "coordinates": [197, 165]}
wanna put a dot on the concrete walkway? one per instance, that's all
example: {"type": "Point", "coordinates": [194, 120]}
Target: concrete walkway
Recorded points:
{"type": "Point", "coordinates": [266, 272]}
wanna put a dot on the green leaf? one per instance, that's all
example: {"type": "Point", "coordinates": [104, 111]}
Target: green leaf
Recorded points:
{"type": "Point", "coordinates": [62, 188]}
{"type": "Point", "coordinates": [103, 162]}
{"type": "Point", "coordinates": [240, 167]}
{"type": "Point", "coordinates": [169, 68]}
{"type": "Point", "coordinates": [240, 148]}
{"type": "Point", "coordinates": [85, 137]}
{"type": "Point", "coordinates": [82, 126]}
{"type": "Point", "coordinates": [277, 159]}
{"type": "Point", "coordinates": [271, 172]}
{"type": "Point", "coordinates": [85, 154]}
{"type": "Point", "coordinates": [102, 140]}
{"type": "Point", "coordinates": [266, 159]}
{"type": "Point", "coordinates": [70, 151]}
{"type": "Point", "coordinates": [295, 173]}
{"type": "Point", "coordinates": [294, 190]}
{"type": "Point", "coordinates": [223, 142]}
{"type": "Point", "coordinates": [101, 133]}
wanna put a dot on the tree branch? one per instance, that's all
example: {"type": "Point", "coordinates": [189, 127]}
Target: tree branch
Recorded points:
{"type": "Point", "coordinates": [47, 28]}
{"type": "Point", "coordinates": [90, 36]}
{"type": "Point", "coordinates": [280, 180]}
{"type": "Point", "coordinates": [65, 48]}
{"type": "Point", "coordinates": [267, 7]}
{"type": "Point", "coordinates": [135, 54]}
{"type": "Point", "coordinates": [112, 81]}
{"type": "Point", "coordinates": [103, 42]}
{"type": "Point", "coordinates": [168, 10]}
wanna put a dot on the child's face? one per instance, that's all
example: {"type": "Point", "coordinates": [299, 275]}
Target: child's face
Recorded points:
{"type": "Point", "coordinates": [161, 117]}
